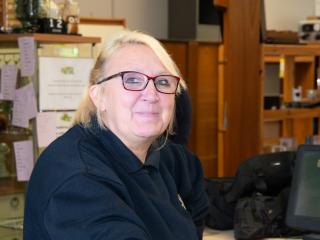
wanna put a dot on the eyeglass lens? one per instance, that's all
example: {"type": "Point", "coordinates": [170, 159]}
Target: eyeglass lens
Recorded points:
{"type": "Point", "coordinates": [137, 81]}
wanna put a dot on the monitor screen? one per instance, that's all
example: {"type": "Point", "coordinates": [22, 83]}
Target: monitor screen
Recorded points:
{"type": "Point", "coordinates": [304, 202]}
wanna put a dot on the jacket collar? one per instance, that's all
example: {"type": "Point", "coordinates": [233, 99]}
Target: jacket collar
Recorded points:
{"type": "Point", "coordinates": [121, 153]}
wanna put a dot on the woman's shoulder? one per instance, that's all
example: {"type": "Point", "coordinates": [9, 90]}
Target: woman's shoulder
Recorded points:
{"type": "Point", "coordinates": [60, 159]}
{"type": "Point", "coordinates": [64, 158]}
{"type": "Point", "coordinates": [64, 147]}
{"type": "Point", "coordinates": [74, 152]}
{"type": "Point", "coordinates": [176, 155]}
{"type": "Point", "coordinates": [177, 149]}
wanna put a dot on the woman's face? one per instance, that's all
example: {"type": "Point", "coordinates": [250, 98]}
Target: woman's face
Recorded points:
{"type": "Point", "coordinates": [135, 116]}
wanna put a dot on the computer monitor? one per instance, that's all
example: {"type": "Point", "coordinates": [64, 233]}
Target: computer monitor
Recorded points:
{"type": "Point", "coordinates": [303, 210]}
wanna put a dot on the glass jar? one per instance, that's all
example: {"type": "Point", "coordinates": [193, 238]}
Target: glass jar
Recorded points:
{"type": "Point", "coordinates": [28, 13]}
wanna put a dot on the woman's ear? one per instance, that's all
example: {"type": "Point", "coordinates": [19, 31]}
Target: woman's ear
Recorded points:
{"type": "Point", "coordinates": [94, 93]}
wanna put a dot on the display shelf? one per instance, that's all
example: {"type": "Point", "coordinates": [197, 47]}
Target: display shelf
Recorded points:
{"type": "Point", "coordinates": [297, 59]}
{"type": "Point", "coordinates": [290, 67]}
{"type": "Point", "coordinates": [274, 115]}
{"type": "Point", "coordinates": [46, 45]}
{"type": "Point", "coordinates": [292, 49]}
{"type": "Point", "coordinates": [295, 123]}
{"type": "Point", "coordinates": [277, 115]}
{"type": "Point", "coordinates": [51, 38]}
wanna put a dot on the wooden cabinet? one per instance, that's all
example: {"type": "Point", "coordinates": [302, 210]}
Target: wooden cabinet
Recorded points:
{"type": "Point", "coordinates": [225, 86]}
{"type": "Point", "coordinates": [198, 63]}
{"type": "Point", "coordinates": [285, 68]}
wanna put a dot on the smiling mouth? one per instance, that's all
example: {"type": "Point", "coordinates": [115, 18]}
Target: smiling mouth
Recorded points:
{"type": "Point", "coordinates": [148, 114]}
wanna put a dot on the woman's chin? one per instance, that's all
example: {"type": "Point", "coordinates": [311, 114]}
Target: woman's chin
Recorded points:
{"type": "Point", "coordinates": [147, 132]}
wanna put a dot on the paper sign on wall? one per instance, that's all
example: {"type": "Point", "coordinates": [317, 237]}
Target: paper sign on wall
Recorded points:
{"type": "Point", "coordinates": [27, 55]}
{"type": "Point", "coordinates": [63, 82]}
{"type": "Point", "coordinates": [24, 159]}
{"type": "Point", "coordinates": [51, 125]}
{"type": "Point", "coordinates": [8, 81]}
{"type": "Point", "coordinates": [24, 106]}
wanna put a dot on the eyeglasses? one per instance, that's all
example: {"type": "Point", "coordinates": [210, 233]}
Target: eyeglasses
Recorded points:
{"type": "Point", "coordinates": [136, 81]}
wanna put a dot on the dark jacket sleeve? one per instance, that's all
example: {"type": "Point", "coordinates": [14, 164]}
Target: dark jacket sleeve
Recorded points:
{"type": "Point", "coordinates": [84, 208]}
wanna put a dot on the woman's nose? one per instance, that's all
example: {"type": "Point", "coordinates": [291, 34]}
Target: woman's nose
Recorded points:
{"type": "Point", "coordinates": [150, 91]}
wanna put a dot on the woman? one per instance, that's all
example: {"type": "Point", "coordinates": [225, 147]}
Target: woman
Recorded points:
{"type": "Point", "coordinates": [114, 175]}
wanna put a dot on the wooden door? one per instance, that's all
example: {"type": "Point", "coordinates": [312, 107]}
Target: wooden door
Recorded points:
{"type": "Point", "coordinates": [240, 104]}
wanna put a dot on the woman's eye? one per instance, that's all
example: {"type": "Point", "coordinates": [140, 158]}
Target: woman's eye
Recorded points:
{"type": "Point", "coordinates": [163, 82]}
{"type": "Point", "coordinates": [133, 80]}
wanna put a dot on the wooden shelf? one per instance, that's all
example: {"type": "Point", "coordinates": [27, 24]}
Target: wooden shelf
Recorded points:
{"type": "Point", "coordinates": [274, 115]}
{"type": "Point", "coordinates": [297, 59]}
{"type": "Point", "coordinates": [304, 113]}
{"type": "Point", "coordinates": [293, 49]}
{"type": "Point", "coordinates": [50, 38]}
{"type": "Point", "coordinates": [278, 115]}
{"type": "Point", "coordinates": [11, 186]}
{"type": "Point", "coordinates": [304, 59]}
{"type": "Point", "coordinates": [270, 141]}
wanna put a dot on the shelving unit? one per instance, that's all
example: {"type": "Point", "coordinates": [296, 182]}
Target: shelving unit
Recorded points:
{"type": "Point", "coordinates": [296, 66]}
{"type": "Point", "coordinates": [11, 190]}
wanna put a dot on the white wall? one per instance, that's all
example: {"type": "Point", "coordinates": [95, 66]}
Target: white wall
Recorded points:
{"type": "Point", "coordinates": [150, 16]}
{"type": "Point", "coordinates": [286, 14]}
{"type": "Point", "coordinates": [95, 8]}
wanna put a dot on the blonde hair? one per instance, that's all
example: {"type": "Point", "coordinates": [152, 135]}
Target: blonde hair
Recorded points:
{"type": "Point", "coordinates": [87, 109]}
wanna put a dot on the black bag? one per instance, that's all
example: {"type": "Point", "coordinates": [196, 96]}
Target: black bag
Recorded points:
{"type": "Point", "coordinates": [267, 173]}
{"type": "Point", "coordinates": [235, 202]}
{"type": "Point", "coordinates": [261, 216]}
{"type": "Point", "coordinates": [261, 189]}
{"type": "Point", "coordinates": [221, 212]}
